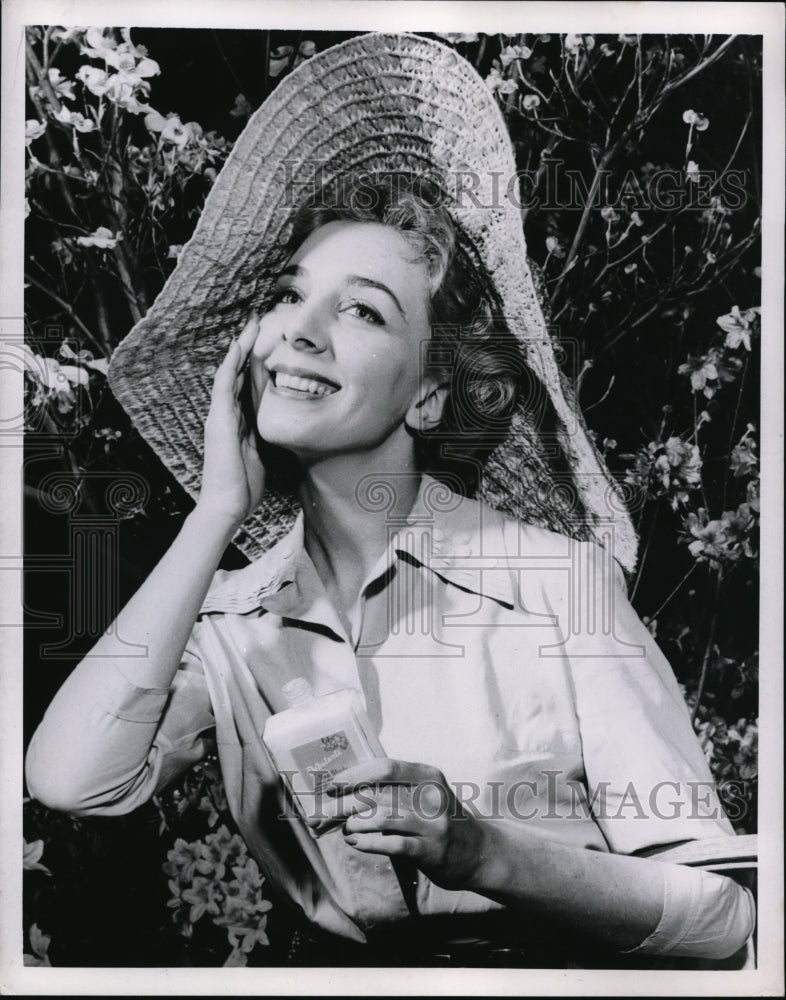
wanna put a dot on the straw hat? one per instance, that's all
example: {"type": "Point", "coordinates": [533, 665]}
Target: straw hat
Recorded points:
{"type": "Point", "coordinates": [374, 104]}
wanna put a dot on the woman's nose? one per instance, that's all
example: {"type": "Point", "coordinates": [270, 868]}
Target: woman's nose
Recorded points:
{"type": "Point", "coordinates": [304, 329]}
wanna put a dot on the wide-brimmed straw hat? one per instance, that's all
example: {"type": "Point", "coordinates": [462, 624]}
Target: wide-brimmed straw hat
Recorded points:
{"type": "Point", "coordinates": [375, 104]}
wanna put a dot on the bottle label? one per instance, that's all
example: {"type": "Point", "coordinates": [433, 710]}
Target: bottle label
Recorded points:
{"type": "Point", "coordinates": [320, 760]}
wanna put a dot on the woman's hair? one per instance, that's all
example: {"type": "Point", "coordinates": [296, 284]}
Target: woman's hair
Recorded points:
{"type": "Point", "coordinates": [471, 349]}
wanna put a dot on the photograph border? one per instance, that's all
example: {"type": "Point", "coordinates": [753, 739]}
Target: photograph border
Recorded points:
{"type": "Point", "coordinates": [766, 19]}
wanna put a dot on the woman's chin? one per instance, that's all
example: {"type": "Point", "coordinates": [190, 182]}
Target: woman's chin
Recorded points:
{"type": "Point", "coordinates": [300, 441]}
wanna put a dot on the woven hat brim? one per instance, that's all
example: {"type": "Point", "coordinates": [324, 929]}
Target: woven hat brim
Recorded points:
{"type": "Point", "coordinates": [375, 103]}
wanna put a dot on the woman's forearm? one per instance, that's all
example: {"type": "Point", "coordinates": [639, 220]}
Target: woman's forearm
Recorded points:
{"type": "Point", "coordinates": [622, 901]}
{"type": "Point", "coordinates": [616, 898]}
{"type": "Point", "coordinates": [147, 639]}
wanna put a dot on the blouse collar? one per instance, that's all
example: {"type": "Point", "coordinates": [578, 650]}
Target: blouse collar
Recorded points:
{"type": "Point", "coordinates": [458, 539]}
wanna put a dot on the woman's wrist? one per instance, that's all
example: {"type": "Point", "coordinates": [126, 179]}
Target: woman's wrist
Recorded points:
{"type": "Point", "coordinates": [220, 524]}
{"type": "Point", "coordinates": [495, 860]}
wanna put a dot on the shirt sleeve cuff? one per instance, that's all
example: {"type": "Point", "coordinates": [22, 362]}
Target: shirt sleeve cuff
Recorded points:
{"type": "Point", "coordinates": [122, 699]}
{"type": "Point", "coordinates": [704, 916]}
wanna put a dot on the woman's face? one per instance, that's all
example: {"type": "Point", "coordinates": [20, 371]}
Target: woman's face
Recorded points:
{"type": "Point", "coordinates": [336, 367]}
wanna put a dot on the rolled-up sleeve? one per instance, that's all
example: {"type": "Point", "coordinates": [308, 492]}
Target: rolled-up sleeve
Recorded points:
{"type": "Point", "coordinates": [105, 745]}
{"type": "Point", "coordinates": [704, 915]}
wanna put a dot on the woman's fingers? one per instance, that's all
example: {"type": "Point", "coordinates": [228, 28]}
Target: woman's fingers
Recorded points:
{"type": "Point", "coordinates": [383, 771]}
{"type": "Point", "coordinates": [394, 845]}
{"type": "Point", "coordinates": [388, 801]}
{"type": "Point", "coordinates": [230, 374]}
{"type": "Point", "coordinates": [384, 790]}
{"type": "Point", "coordinates": [233, 477]}
{"type": "Point", "coordinates": [245, 342]}
{"type": "Point", "coordinates": [240, 348]}
{"type": "Point", "coordinates": [224, 379]}
{"type": "Point", "coordinates": [248, 336]}
{"type": "Point", "coordinates": [388, 820]}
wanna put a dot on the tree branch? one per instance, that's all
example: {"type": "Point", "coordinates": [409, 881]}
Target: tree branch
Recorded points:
{"type": "Point", "coordinates": [103, 349]}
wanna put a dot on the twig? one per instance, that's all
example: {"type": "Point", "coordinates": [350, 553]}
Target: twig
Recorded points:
{"type": "Point", "coordinates": [266, 67]}
{"type": "Point", "coordinates": [699, 68]}
{"type": "Point", "coordinates": [679, 585]}
{"type": "Point", "coordinates": [598, 91]}
{"type": "Point", "coordinates": [752, 101]}
{"type": "Point", "coordinates": [637, 69]}
{"type": "Point", "coordinates": [605, 160]}
{"type": "Point", "coordinates": [558, 90]}
{"type": "Point", "coordinates": [545, 157]}
{"type": "Point", "coordinates": [705, 663]}
{"type": "Point", "coordinates": [637, 581]}
{"type": "Point", "coordinates": [687, 75]}
{"type": "Point", "coordinates": [620, 106]}
{"type": "Point", "coordinates": [41, 76]}
{"type": "Point", "coordinates": [557, 133]}
{"type": "Point", "coordinates": [733, 432]}
{"type": "Point", "coordinates": [586, 409]}
{"type": "Point", "coordinates": [628, 327]}
{"type": "Point", "coordinates": [527, 82]}
{"type": "Point", "coordinates": [103, 350]}
{"type": "Point", "coordinates": [229, 65]}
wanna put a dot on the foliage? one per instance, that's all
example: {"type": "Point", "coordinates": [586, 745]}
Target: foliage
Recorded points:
{"type": "Point", "coordinates": [234, 903]}
{"type": "Point", "coordinates": [638, 166]}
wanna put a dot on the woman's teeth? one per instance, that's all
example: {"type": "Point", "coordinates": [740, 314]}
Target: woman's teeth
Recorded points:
{"type": "Point", "coordinates": [308, 386]}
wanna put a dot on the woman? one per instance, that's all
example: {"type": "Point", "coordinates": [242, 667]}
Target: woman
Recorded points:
{"type": "Point", "coordinates": [536, 740]}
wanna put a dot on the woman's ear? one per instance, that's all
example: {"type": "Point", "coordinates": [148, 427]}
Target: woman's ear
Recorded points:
{"type": "Point", "coordinates": [426, 412]}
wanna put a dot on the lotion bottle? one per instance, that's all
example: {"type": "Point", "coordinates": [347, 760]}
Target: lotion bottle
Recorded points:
{"type": "Point", "coordinates": [314, 739]}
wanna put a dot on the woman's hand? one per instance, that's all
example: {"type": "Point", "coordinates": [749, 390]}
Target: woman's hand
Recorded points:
{"type": "Point", "coordinates": [233, 477]}
{"type": "Point", "coordinates": [401, 809]}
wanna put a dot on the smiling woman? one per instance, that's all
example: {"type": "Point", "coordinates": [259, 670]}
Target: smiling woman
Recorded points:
{"type": "Point", "coordinates": [457, 561]}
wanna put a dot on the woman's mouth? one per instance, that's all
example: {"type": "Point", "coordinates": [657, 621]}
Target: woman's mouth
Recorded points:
{"type": "Point", "coordinates": [301, 386]}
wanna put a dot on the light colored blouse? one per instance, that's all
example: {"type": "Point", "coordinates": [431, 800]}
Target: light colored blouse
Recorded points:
{"type": "Point", "coordinates": [505, 655]}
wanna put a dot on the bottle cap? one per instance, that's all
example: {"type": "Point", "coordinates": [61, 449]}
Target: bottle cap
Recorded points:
{"type": "Point", "coordinates": [297, 691]}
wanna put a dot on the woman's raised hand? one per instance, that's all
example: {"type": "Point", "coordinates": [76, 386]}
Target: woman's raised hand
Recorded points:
{"type": "Point", "coordinates": [233, 477]}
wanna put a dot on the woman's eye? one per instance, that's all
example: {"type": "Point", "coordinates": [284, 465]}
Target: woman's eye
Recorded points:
{"type": "Point", "coordinates": [366, 313]}
{"type": "Point", "coordinates": [285, 296]}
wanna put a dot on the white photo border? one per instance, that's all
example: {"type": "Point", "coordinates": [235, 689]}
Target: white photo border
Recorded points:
{"type": "Point", "coordinates": [766, 19]}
